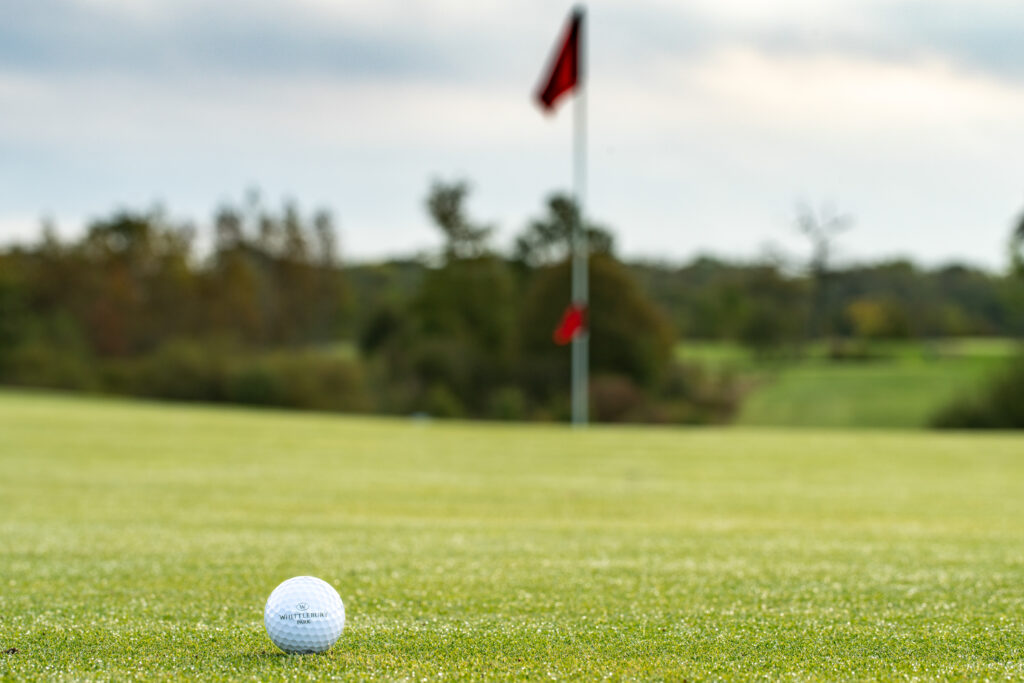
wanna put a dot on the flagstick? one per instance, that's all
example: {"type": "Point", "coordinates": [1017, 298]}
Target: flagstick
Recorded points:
{"type": "Point", "coordinates": [580, 250]}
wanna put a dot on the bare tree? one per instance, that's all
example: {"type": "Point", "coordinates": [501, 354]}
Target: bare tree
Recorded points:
{"type": "Point", "coordinates": [821, 227]}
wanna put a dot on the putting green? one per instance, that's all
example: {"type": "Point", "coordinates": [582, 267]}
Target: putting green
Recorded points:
{"type": "Point", "coordinates": [141, 540]}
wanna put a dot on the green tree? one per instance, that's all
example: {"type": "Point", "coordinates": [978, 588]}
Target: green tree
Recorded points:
{"type": "Point", "coordinates": [1017, 248]}
{"type": "Point", "coordinates": [629, 335]}
{"type": "Point", "coordinates": [236, 303]}
{"type": "Point", "coordinates": [1013, 290]}
{"type": "Point", "coordinates": [463, 238]}
{"type": "Point", "coordinates": [274, 278]}
{"type": "Point", "coordinates": [877, 319]}
{"type": "Point", "coordinates": [463, 326]}
{"type": "Point", "coordinates": [132, 281]}
{"type": "Point", "coordinates": [770, 312]}
{"type": "Point", "coordinates": [548, 240]}
{"type": "Point", "coordinates": [459, 340]}
{"type": "Point", "coordinates": [14, 313]}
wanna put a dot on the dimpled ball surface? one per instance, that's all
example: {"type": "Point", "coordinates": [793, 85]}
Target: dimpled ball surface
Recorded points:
{"type": "Point", "coordinates": [304, 614]}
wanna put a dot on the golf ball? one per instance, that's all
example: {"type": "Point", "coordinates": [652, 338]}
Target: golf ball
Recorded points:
{"type": "Point", "coordinates": [304, 614]}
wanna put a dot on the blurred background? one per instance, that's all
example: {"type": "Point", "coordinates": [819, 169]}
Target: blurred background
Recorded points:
{"type": "Point", "coordinates": [799, 214]}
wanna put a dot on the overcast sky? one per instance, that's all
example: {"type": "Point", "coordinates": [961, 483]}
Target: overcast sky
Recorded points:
{"type": "Point", "coordinates": [709, 120]}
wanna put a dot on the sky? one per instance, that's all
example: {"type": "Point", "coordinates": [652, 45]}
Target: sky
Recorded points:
{"type": "Point", "coordinates": [708, 121]}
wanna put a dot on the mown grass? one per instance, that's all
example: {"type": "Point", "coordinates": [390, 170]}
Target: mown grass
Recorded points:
{"type": "Point", "coordinates": [903, 386]}
{"type": "Point", "coordinates": [140, 541]}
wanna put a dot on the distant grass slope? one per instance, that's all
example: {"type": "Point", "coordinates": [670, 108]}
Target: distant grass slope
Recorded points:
{"type": "Point", "coordinates": [140, 541]}
{"type": "Point", "coordinates": [903, 388]}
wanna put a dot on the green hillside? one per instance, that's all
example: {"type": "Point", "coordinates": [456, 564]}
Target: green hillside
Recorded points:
{"type": "Point", "coordinates": [903, 387]}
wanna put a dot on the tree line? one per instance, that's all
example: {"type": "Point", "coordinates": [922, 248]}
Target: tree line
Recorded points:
{"type": "Point", "coordinates": [268, 314]}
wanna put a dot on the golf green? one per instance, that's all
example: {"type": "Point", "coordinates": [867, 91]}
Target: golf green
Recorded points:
{"type": "Point", "coordinates": [141, 540]}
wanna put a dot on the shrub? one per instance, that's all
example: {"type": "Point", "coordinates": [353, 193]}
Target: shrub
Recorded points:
{"type": "Point", "coordinates": [255, 384]}
{"type": "Point", "coordinates": [690, 394]}
{"type": "Point", "coordinates": [441, 402]}
{"type": "Point", "coordinates": [614, 398]}
{"type": "Point", "coordinates": [48, 352]}
{"type": "Point", "coordinates": [48, 366]}
{"type": "Point", "coordinates": [507, 403]}
{"type": "Point", "coordinates": [999, 405]}
{"type": "Point", "coordinates": [196, 371]}
{"type": "Point", "coordinates": [312, 381]}
{"type": "Point", "coordinates": [182, 371]}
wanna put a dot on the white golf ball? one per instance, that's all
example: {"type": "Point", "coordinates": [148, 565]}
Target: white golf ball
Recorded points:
{"type": "Point", "coordinates": [304, 614]}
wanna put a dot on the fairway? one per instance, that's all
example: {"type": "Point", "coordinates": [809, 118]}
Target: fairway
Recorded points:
{"type": "Point", "coordinates": [141, 540]}
{"type": "Point", "coordinates": [904, 387]}
{"type": "Point", "coordinates": [898, 394]}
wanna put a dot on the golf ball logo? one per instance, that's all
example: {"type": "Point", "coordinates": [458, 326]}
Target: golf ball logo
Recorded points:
{"type": "Point", "coordinates": [304, 614]}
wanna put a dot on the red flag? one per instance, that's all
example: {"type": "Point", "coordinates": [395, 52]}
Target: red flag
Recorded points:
{"type": "Point", "coordinates": [565, 69]}
{"type": "Point", "coordinates": [573, 323]}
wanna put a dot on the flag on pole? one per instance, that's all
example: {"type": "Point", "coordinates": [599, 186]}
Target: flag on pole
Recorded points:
{"type": "Point", "coordinates": [574, 321]}
{"type": "Point", "coordinates": [564, 71]}
{"type": "Point", "coordinates": [565, 74]}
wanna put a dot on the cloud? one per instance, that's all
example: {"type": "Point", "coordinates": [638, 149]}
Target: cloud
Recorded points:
{"type": "Point", "coordinates": [708, 118]}
{"type": "Point", "coordinates": [983, 35]}
{"type": "Point", "coordinates": [980, 35]}
{"type": "Point", "coordinates": [157, 40]}
{"type": "Point", "coordinates": [461, 41]}
{"type": "Point", "coordinates": [837, 95]}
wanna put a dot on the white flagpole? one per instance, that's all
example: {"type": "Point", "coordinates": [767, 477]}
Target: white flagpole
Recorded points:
{"type": "Point", "coordinates": [580, 249]}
